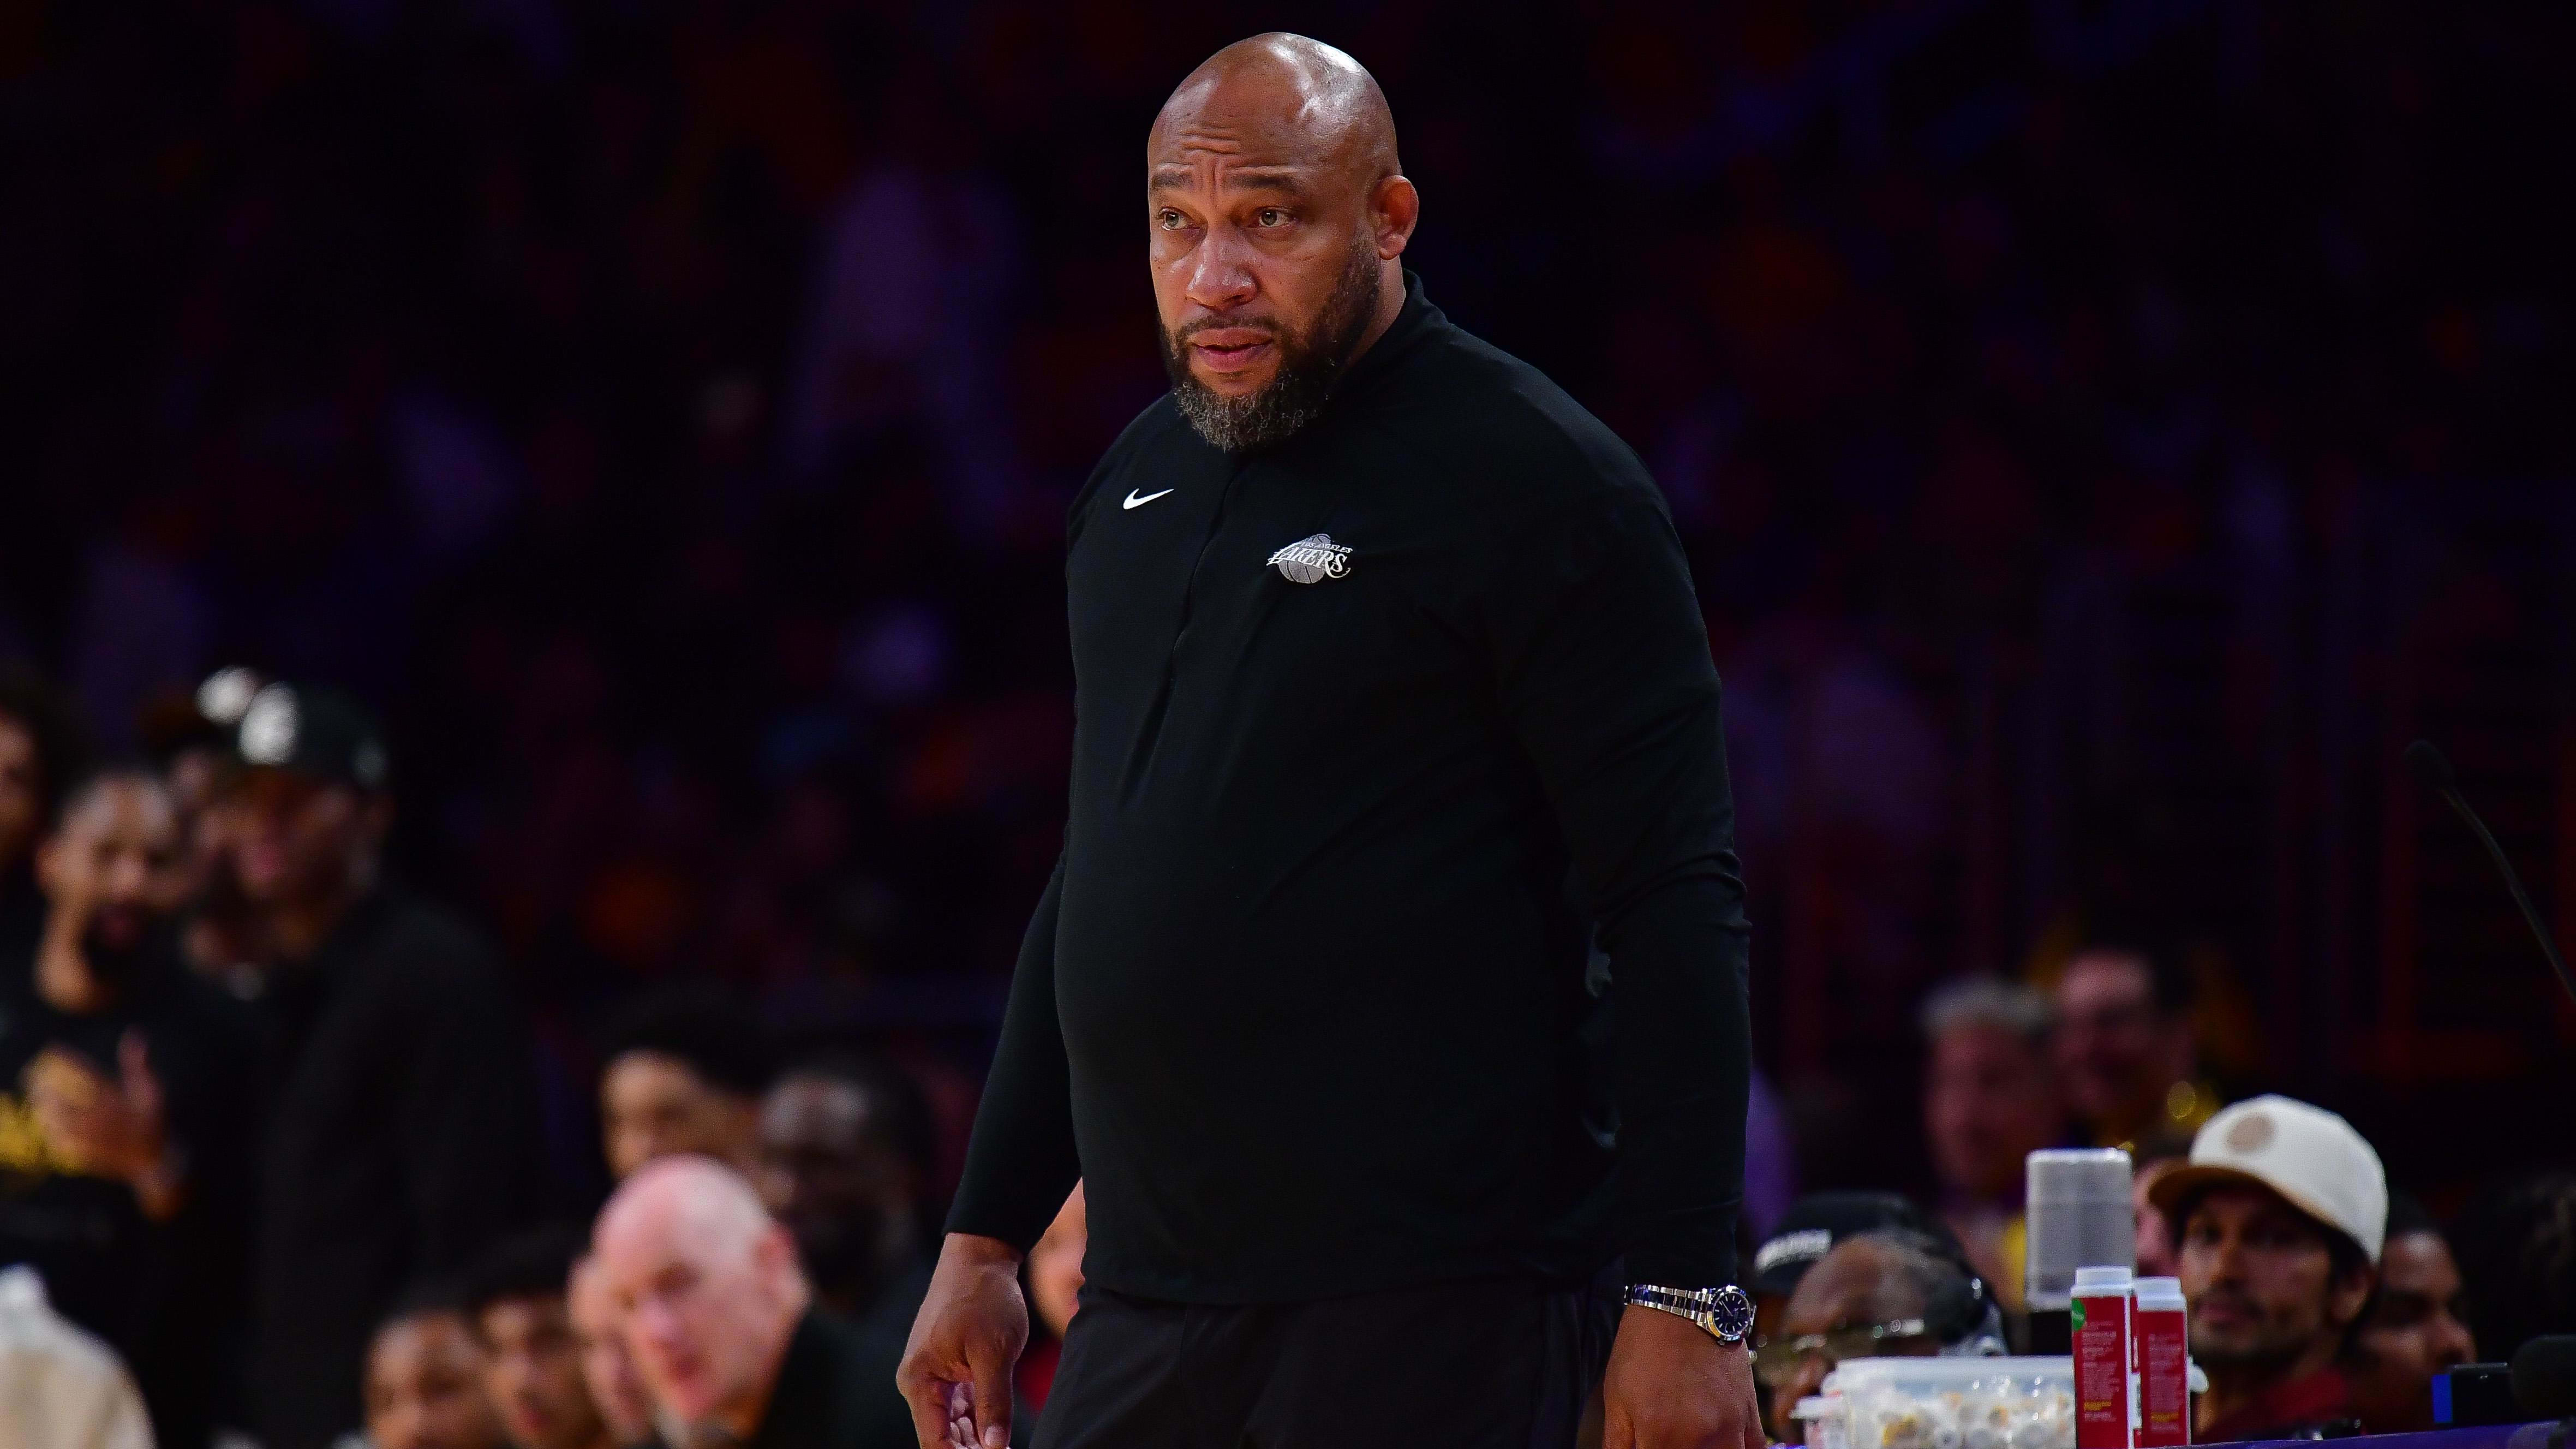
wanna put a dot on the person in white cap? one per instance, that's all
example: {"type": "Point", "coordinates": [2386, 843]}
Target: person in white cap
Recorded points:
{"type": "Point", "coordinates": [2283, 1209]}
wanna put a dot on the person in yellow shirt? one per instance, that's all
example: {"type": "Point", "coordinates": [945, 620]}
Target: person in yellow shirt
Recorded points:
{"type": "Point", "coordinates": [2123, 1046]}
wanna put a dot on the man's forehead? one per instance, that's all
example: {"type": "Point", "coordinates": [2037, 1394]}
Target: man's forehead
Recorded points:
{"type": "Point", "coordinates": [2248, 1203]}
{"type": "Point", "coordinates": [1249, 122]}
{"type": "Point", "coordinates": [1855, 1282]}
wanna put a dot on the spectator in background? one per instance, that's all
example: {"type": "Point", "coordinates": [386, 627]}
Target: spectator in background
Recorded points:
{"type": "Point", "coordinates": [1988, 1103]}
{"type": "Point", "coordinates": [402, 1132]}
{"type": "Point", "coordinates": [2517, 1254]}
{"type": "Point", "coordinates": [2414, 1327]}
{"type": "Point", "coordinates": [1885, 1293]}
{"type": "Point", "coordinates": [2283, 1209]}
{"type": "Point", "coordinates": [722, 1323]}
{"type": "Point", "coordinates": [190, 740]}
{"type": "Point", "coordinates": [2124, 1048]}
{"type": "Point", "coordinates": [845, 1159]}
{"type": "Point", "coordinates": [424, 1381]}
{"type": "Point", "coordinates": [40, 748]}
{"type": "Point", "coordinates": [607, 1369]}
{"type": "Point", "coordinates": [1811, 1228]}
{"type": "Point", "coordinates": [2158, 1242]}
{"type": "Point", "coordinates": [686, 1067]}
{"type": "Point", "coordinates": [124, 1090]}
{"type": "Point", "coordinates": [65, 1389]}
{"type": "Point", "coordinates": [516, 1303]}
{"type": "Point", "coordinates": [1053, 1269]}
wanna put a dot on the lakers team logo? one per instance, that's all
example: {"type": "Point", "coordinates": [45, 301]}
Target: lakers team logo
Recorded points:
{"type": "Point", "coordinates": [1312, 559]}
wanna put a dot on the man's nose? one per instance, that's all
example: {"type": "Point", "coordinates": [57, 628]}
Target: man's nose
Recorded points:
{"type": "Point", "coordinates": [1220, 276]}
{"type": "Point", "coordinates": [2452, 1345]}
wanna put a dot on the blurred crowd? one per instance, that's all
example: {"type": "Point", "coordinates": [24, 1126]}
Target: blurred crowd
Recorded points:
{"type": "Point", "coordinates": [272, 1164]}
{"type": "Point", "coordinates": [653, 419]}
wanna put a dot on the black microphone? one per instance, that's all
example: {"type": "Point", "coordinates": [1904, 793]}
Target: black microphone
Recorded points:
{"type": "Point", "coordinates": [2544, 1376]}
{"type": "Point", "coordinates": [2433, 771]}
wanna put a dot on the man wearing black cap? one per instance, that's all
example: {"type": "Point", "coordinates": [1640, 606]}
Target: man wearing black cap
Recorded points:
{"type": "Point", "coordinates": [401, 1131]}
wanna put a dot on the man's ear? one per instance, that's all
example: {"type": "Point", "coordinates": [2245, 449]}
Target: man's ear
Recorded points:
{"type": "Point", "coordinates": [1394, 209]}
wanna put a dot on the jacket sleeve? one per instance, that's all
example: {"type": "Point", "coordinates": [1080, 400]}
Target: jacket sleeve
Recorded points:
{"type": "Point", "coordinates": [1021, 1163]}
{"type": "Point", "coordinates": [1603, 668]}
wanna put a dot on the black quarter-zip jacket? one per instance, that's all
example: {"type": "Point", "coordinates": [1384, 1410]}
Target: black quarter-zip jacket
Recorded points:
{"type": "Point", "coordinates": [1377, 733]}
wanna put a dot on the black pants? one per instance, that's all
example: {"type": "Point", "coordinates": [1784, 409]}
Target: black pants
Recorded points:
{"type": "Point", "coordinates": [1497, 1364]}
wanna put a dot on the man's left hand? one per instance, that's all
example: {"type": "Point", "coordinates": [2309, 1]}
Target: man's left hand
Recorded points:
{"type": "Point", "coordinates": [1671, 1385]}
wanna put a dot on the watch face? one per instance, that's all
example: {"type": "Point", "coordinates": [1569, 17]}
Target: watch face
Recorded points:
{"type": "Point", "coordinates": [1733, 1312]}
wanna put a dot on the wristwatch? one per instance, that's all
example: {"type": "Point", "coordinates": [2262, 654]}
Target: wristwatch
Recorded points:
{"type": "Point", "coordinates": [1726, 1313]}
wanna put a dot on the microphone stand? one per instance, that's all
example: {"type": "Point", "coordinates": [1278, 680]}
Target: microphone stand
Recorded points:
{"type": "Point", "coordinates": [2433, 771]}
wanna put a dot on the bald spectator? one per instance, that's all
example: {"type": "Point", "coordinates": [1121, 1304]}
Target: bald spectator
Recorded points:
{"type": "Point", "coordinates": [607, 1369]}
{"type": "Point", "coordinates": [516, 1303]}
{"type": "Point", "coordinates": [722, 1324]}
{"type": "Point", "coordinates": [2124, 1046]}
{"type": "Point", "coordinates": [2283, 1208]}
{"type": "Point", "coordinates": [1888, 1293]}
{"type": "Point", "coordinates": [845, 1155]}
{"type": "Point", "coordinates": [2415, 1327]}
{"type": "Point", "coordinates": [424, 1382]}
{"type": "Point", "coordinates": [1811, 1228]}
{"type": "Point", "coordinates": [686, 1067]}
{"type": "Point", "coordinates": [1989, 1101]}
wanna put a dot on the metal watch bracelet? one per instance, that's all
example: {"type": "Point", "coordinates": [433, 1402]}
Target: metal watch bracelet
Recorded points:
{"type": "Point", "coordinates": [1725, 1314]}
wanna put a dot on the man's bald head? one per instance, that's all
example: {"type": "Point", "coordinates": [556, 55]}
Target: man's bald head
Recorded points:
{"type": "Point", "coordinates": [707, 1284]}
{"type": "Point", "coordinates": [1278, 216]}
{"type": "Point", "coordinates": [1291, 85]}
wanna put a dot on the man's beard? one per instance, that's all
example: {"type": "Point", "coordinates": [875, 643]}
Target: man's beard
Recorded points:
{"type": "Point", "coordinates": [2266, 1346]}
{"type": "Point", "coordinates": [1309, 364]}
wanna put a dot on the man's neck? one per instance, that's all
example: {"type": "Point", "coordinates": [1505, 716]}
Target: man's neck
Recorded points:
{"type": "Point", "coordinates": [2235, 1389]}
{"type": "Point", "coordinates": [1390, 305]}
{"type": "Point", "coordinates": [742, 1418]}
{"type": "Point", "coordinates": [298, 928]}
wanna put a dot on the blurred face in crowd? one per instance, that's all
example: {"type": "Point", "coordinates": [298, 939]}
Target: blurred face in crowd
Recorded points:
{"type": "Point", "coordinates": [607, 1369]}
{"type": "Point", "coordinates": [1988, 1103]}
{"type": "Point", "coordinates": [21, 790]}
{"type": "Point", "coordinates": [2117, 1052]}
{"type": "Point", "coordinates": [2416, 1329]}
{"type": "Point", "coordinates": [1055, 1265]}
{"type": "Point", "coordinates": [2158, 1248]}
{"type": "Point", "coordinates": [293, 838]}
{"type": "Point", "coordinates": [424, 1387]}
{"type": "Point", "coordinates": [652, 1105]}
{"type": "Point", "coordinates": [1859, 1285]}
{"type": "Point", "coordinates": [842, 1189]}
{"type": "Point", "coordinates": [2260, 1280]}
{"type": "Point", "coordinates": [111, 870]}
{"type": "Point", "coordinates": [706, 1286]}
{"type": "Point", "coordinates": [1274, 213]}
{"type": "Point", "coordinates": [534, 1374]}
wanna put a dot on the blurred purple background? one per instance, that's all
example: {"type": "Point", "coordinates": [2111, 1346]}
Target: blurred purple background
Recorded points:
{"type": "Point", "coordinates": [2105, 433]}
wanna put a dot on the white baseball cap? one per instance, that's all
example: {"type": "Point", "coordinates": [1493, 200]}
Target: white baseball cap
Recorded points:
{"type": "Point", "coordinates": [2308, 1155]}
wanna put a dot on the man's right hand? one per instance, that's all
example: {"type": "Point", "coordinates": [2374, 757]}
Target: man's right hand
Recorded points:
{"type": "Point", "coordinates": [956, 1371]}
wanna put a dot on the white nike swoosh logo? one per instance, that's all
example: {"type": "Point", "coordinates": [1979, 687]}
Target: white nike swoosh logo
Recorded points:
{"type": "Point", "coordinates": [1135, 502]}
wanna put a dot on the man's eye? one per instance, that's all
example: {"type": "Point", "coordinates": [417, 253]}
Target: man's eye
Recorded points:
{"type": "Point", "coordinates": [1168, 220]}
{"type": "Point", "coordinates": [1270, 216]}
